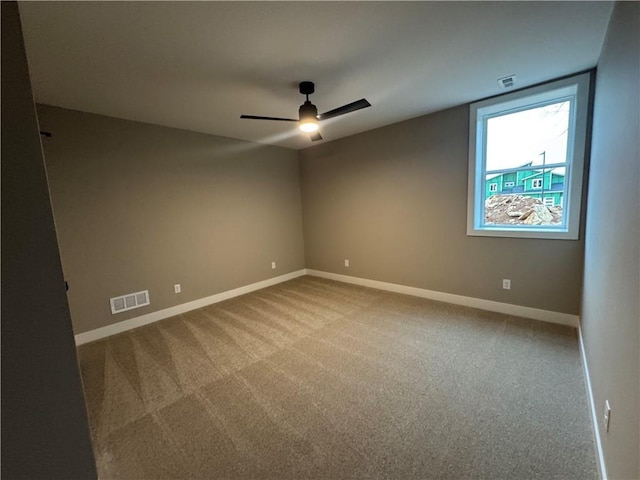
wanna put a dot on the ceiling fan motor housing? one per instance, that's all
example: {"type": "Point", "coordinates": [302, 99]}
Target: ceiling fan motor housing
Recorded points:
{"type": "Point", "coordinates": [307, 110]}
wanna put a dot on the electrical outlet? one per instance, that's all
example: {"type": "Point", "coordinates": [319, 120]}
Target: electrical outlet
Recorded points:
{"type": "Point", "coordinates": [177, 288]}
{"type": "Point", "coordinates": [607, 415]}
{"type": "Point", "coordinates": [346, 262]}
{"type": "Point", "coordinates": [506, 284]}
{"type": "Point", "coordinates": [273, 265]}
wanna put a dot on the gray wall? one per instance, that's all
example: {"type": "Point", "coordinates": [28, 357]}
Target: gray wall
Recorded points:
{"type": "Point", "coordinates": [44, 425]}
{"type": "Point", "coordinates": [610, 309]}
{"type": "Point", "coordinates": [145, 207]}
{"type": "Point", "coordinates": [394, 202]}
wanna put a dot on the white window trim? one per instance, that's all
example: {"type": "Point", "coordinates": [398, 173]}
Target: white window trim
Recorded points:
{"type": "Point", "coordinates": [574, 169]}
{"type": "Point", "coordinates": [538, 182]}
{"type": "Point", "coordinates": [493, 187]}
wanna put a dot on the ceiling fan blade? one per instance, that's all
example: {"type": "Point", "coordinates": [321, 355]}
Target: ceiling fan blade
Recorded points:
{"type": "Point", "coordinates": [257, 117]}
{"type": "Point", "coordinates": [315, 136]}
{"type": "Point", "coordinates": [351, 107]}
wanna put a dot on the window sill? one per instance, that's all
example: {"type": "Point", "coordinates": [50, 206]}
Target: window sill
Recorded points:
{"type": "Point", "coordinates": [524, 232]}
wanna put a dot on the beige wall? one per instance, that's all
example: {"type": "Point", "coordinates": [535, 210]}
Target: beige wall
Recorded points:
{"type": "Point", "coordinates": [611, 309]}
{"type": "Point", "coordinates": [45, 433]}
{"type": "Point", "coordinates": [394, 202]}
{"type": "Point", "coordinates": [143, 207]}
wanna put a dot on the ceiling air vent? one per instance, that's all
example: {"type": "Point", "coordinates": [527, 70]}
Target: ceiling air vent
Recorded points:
{"type": "Point", "coordinates": [129, 301]}
{"type": "Point", "coordinates": [507, 82]}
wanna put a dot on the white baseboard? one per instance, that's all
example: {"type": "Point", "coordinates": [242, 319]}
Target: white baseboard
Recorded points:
{"type": "Point", "coordinates": [517, 310]}
{"type": "Point", "coordinates": [528, 312]}
{"type": "Point", "coordinates": [152, 317]}
{"type": "Point", "coordinates": [602, 469]}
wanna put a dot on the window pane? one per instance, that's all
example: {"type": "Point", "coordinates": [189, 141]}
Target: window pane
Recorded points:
{"type": "Point", "coordinates": [525, 198]}
{"type": "Point", "coordinates": [536, 136]}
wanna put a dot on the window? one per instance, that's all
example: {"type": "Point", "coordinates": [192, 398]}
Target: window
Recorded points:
{"type": "Point", "coordinates": [536, 138]}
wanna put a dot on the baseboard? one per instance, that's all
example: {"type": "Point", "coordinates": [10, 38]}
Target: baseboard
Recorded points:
{"type": "Point", "coordinates": [528, 312]}
{"type": "Point", "coordinates": [602, 470]}
{"type": "Point", "coordinates": [152, 317]}
{"type": "Point", "coordinates": [517, 310]}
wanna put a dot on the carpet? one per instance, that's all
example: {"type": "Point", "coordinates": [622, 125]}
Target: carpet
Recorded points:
{"type": "Point", "coordinates": [317, 379]}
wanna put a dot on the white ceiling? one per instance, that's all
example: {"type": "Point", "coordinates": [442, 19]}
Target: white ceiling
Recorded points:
{"type": "Point", "coordinates": [200, 65]}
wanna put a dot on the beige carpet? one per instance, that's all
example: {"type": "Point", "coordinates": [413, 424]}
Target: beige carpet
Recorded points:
{"type": "Point", "coordinates": [319, 379]}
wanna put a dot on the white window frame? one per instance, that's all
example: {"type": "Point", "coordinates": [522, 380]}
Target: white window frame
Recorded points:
{"type": "Point", "coordinates": [493, 187]}
{"type": "Point", "coordinates": [575, 88]}
{"type": "Point", "coordinates": [536, 183]}
{"type": "Point", "coordinates": [509, 184]}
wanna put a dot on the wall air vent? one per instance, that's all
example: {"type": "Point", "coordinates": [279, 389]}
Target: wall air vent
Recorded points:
{"type": "Point", "coordinates": [129, 301]}
{"type": "Point", "coordinates": [507, 82]}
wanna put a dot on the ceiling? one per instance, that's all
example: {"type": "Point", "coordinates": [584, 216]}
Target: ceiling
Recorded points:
{"type": "Point", "coordinates": [200, 65]}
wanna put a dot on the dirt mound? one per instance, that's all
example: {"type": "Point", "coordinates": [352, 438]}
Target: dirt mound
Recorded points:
{"type": "Point", "coordinates": [514, 209]}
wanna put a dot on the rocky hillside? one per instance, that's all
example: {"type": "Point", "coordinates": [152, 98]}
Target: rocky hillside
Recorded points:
{"type": "Point", "coordinates": [520, 210]}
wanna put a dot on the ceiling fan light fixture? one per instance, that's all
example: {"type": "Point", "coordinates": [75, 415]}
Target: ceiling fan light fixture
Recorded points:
{"type": "Point", "coordinates": [309, 125]}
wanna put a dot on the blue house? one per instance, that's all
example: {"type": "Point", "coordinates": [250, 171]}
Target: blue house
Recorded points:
{"type": "Point", "coordinates": [547, 185]}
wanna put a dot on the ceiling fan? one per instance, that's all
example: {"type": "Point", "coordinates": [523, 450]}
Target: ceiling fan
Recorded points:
{"type": "Point", "coordinates": [308, 113]}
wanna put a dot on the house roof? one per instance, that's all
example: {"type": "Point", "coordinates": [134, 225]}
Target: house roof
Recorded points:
{"type": "Point", "coordinates": [555, 171]}
{"type": "Point", "coordinates": [494, 175]}
{"type": "Point", "coordinates": [200, 65]}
